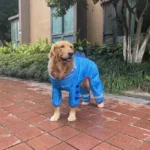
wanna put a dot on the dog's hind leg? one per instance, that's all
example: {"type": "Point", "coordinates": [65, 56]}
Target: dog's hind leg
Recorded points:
{"type": "Point", "coordinates": [97, 90]}
{"type": "Point", "coordinates": [85, 95]}
{"type": "Point", "coordinates": [85, 91]}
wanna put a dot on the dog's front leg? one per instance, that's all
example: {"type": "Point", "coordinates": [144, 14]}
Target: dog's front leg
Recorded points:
{"type": "Point", "coordinates": [72, 114]}
{"type": "Point", "coordinates": [56, 101]}
{"type": "Point", "coordinates": [56, 114]}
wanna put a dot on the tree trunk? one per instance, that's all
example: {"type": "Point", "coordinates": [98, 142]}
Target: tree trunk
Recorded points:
{"type": "Point", "coordinates": [143, 46]}
{"type": "Point", "coordinates": [124, 48]}
{"type": "Point", "coordinates": [137, 51]}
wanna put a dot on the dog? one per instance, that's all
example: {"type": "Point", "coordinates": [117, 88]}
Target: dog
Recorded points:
{"type": "Point", "coordinates": [76, 75]}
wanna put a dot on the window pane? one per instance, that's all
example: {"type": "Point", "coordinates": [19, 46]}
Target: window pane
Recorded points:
{"type": "Point", "coordinates": [56, 39]}
{"type": "Point", "coordinates": [56, 24]}
{"type": "Point", "coordinates": [14, 32]}
{"type": "Point", "coordinates": [109, 39]}
{"type": "Point", "coordinates": [69, 38]}
{"type": "Point", "coordinates": [69, 21]}
{"type": "Point", "coordinates": [108, 19]}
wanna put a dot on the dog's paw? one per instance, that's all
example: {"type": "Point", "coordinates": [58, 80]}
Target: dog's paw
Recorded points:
{"type": "Point", "coordinates": [85, 103]}
{"type": "Point", "coordinates": [71, 118]}
{"type": "Point", "coordinates": [101, 105]}
{"type": "Point", "coordinates": [54, 118]}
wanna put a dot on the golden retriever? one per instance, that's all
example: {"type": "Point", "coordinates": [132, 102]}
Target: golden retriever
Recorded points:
{"type": "Point", "coordinates": [61, 62]}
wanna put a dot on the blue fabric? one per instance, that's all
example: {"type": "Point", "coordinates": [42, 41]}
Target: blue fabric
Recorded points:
{"type": "Point", "coordinates": [83, 68]}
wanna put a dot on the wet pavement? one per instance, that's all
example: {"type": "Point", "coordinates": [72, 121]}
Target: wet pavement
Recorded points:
{"type": "Point", "coordinates": [25, 109]}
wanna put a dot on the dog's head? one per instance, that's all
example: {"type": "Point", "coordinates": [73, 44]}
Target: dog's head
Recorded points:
{"type": "Point", "coordinates": [62, 51]}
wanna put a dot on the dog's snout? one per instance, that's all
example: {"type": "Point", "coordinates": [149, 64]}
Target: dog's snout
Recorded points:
{"type": "Point", "coordinates": [70, 54]}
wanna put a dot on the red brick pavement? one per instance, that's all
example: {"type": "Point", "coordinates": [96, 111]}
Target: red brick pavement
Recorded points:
{"type": "Point", "coordinates": [25, 109]}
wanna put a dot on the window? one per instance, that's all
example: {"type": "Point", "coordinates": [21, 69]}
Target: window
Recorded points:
{"type": "Point", "coordinates": [63, 28]}
{"type": "Point", "coordinates": [109, 25]}
{"type": "Point", "coordinates": [15, 31]}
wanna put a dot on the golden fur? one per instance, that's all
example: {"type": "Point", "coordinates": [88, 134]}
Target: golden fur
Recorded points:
{"type": "Point", "coordinates": [59, 68]}
{"type": "Point", "coordinates": [60, 65]}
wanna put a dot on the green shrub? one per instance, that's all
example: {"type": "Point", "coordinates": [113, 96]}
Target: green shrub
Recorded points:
{"type": "Point", "coordinates": [25, 66]}
{"type": "Point", "coordinates": [30, 62]}
{"type": "Point", "coordinates": [41, 46]}
{"type": "Point", "coordinates": [116, 75]}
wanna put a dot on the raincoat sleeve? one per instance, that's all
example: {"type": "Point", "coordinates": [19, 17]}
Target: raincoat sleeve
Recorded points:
{"type": "Point", "coordinates": [56, 97]}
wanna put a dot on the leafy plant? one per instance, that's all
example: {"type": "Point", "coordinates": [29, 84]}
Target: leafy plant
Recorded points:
{"type": "Point", "coordinates": [41, 46]}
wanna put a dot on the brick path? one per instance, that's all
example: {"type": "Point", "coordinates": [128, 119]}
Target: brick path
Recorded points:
{"type": "Point", "coordinates": [25, 110]}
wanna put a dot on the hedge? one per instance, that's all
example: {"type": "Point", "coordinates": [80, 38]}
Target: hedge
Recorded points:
{"type": "Point", "coordinates": [116, 75]}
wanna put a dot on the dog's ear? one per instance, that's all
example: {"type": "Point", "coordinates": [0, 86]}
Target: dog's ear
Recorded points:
{"type": "Point", "coordinates": [51, 53]}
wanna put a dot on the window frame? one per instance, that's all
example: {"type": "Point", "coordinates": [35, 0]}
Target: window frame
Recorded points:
{"type": "Point", "coordinates": [63, 35]}
{"type": "Point", "coordinates": [114, 26]}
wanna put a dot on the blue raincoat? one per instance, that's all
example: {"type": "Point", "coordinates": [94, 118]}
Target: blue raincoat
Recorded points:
{"type": "Point", "coordinates": [83, 68]}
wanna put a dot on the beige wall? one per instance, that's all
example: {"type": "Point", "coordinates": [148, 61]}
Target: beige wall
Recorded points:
{"type": "Point", "coordinates": [94, 23]}
{"type": "Point", "coordinates": [40, 26]}
{"type": "Point", "coordinates": [24, 19]}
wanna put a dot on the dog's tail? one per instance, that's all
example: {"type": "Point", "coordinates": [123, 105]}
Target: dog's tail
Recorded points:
{"type": "Point", "coordinates": [80, 54]}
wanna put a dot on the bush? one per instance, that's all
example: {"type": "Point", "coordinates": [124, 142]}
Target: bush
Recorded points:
{"type": "Point", "coordinates": [25, 66]}
{"type": "Point", "coordinates": [41, 46]}
{"type": "Point", "coordinates": [116, 75]}
{"type": "Point", "coordinates": [30, 62]}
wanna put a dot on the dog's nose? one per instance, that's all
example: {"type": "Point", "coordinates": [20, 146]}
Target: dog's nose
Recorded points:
{"type": "Point", "coordinates": [70, 54]}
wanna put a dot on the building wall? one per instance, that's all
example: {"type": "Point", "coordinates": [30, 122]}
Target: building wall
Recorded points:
{"type": "Point", "coordinates": [35, 19]}
{"type": "Point", "coordinates": [94, 23]}
{"type": "Point", "coordinates": [40, 26]}
{"type": "Point", "coordinates": [24, 20]}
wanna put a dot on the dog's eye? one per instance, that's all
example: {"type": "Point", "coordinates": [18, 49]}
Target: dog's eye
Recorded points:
{"type": "Point", "coordinates": [71, 47]}
{"type": "Point", "coordinates": [62, 46]}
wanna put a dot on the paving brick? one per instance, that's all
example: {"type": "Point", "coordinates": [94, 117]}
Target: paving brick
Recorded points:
{"type": "Point", "coordinates": [138, 114]}
{"type": "Point", "coordinates": [114, 125]}
{"type": "Point", "coordinates": [43, 142]}
{"type": "Point", "coordinates": [28, 133]}
{"type": "Point", "coordinates": [100, 132]}
{"type": "Point", "coordinates": [83, 114]}
{"type": "Point", "coordinates": [37, 119]}
{"type": "Point", "coordinates": [120, 109]}
{"type": "Point", "coordinates": [105, 146]}
{"type": "Point", "coordinates": [62, 146]}
{"type": "Point", "coordinates": [14, 109]}
{"type": "Point", "coordinates": [7, 141]}
{"type": "Point", "coordinates": [10, 119]}
{"type": "Point", "coordinates": [144, 146]}
{"type": "Point", "coordinates": [20, 146]}
{"type": "Point", "coordinates": [144, 108]}
{"type": "Point", "coordinates": [3, 113]}
{"type": "Point", "coordinates": [104, 113]}
{"type": "Point", "coordinates": [3, 131]}
{"type": "Point", "coordinates": [97, 119]}
{"type": "Point", "coordinates": [27, 115]}
{"type": "Point", "coordinates": [4, 103]}
{"type": "Point", "coordinates": [17, 126]}
{"type": "Point", "coordinates": [82, 125]}
{"type": "Point", "coordinates": [148, 140]}
{"type": "Point", "coordinates": [49, 126]}
{"type": "Point", "coordinates": [44, 110]}
{"type": "Point", "coordinates": [83, 142]}
{"type": "Point", "coordinates": [126, 119]}
{"type": "Point", "coordinates": [33, 106]}
{"type": "Point", "coordinates": [65, 133]}
{"type": "Point", "coordinates": [145, 124]}
{"type": "Point", "coordinates": [124, 142]}
{"type": "Point", "coordinates": [136, 132]}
